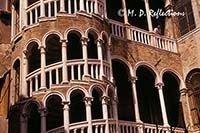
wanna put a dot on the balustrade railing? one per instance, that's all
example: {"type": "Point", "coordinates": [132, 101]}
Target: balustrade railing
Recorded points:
{"type": "Point", "coordinates": [142, 36]}
{"type": "Point", "coordinates": [75, 71]}
{"type": "Point", "coordinates": [51, 8]}
{"type": "Point", "coordinates": [117, 126]}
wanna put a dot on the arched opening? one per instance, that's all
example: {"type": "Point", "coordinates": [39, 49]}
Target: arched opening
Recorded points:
{"type": "Point", "coordinates": [77, 107]}
{"type": "Point", "coordinates": [33, 55]}
{"type": "Point", "coordinates": [105, 48]}
{"type": "Point", "coordinates": [53, 49]}
{"type": "Point", "coordinates": [54, 117]}
{"type": "Point", "coordinates": [124, 91]}
{"type": "Point", "coordinates": [114, 9]}
{"type": "Point", "coordinates": [97, 104]}
{"type": "Point", "coordinates": [148, 97]}
{"type": "Point", "coordinates": [92, 45]}
{"type": "Point", "coordinates": [193, 85]}
{"type": "Point", "coordinates": [34, 121]}
{"type": "Point", "coordinates": [16, 75]}
{"type": "Point", "coordinates": [172, 100]}
{"type": "Point", "coordinates": [74, 46]}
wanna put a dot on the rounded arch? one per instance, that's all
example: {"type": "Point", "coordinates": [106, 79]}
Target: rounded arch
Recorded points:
{"type": "Point", "coordinates": [74, 37]}
{"type": "Point", "coordinates": [73, 30]}
{"type": "Point", "coordinates": [100, 87]}
{"type": "Point", "coordinates": [32, 40]}
{"type": "Point", "coordinates": [92, 30]}
{"type": "Point", "coordinates": [32, 53]}
{"type": "Point", "coordinates": [26, 106]}
{"type": "Point", "coordinates": [151, 68]}
{"type": "Point", "coordinates": [110, 88]}
{"type": "Point", "coordinates": [123, 60]}
{"type": "Point", "coordinates": [177, 75]}
{"type": "Point", "coordinates": [14, 61]}
{"type": "Point", "coordinates": [92, 36]}
{"type": "Point", "coordinates": [192, 82]}
{"type": "Point", "coordinates": [52, 32]}
{"type": "Point", "coordinates": [44, 99]}
{"type": "Point", "coordinates": [54, 107]}
{"type": "Point", "coordinates": [74, 88]}
{"type": "Point", "coordinates": [77, 112]}
{"type": "Point", "coordinates": [104, 33]}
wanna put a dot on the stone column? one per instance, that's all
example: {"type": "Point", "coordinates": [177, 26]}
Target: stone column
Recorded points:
{"type": "Point", "coordinates": [135, 100]}
{"type": "Point", "coordinates": [43, 119]}
{"type": "Point", "coordinates": [24, 73]}
{"type": "Point", "coordinates": [62, 6]}
{"type": "Point", "coordinates": [195, 4]}
{"type": "Point", "coordinates": [43, 64]}
{"type": "Point", "coordinates": [88, 113]}
{"type": "Point", "coordinates": [42, 9]}
{"type": "Point", "coordinates": [66, 116]}
{"type": "Point", "coordinates": [159, 86]}
{"type": "Point", "coordinates": [111, 78]}
{"type": "Point", "coordinates": [149, 21]}
{"type": "Point", "coordinates": [100, 57]}
{"type": "Point", "coordinates": [105, 111]}
{"type": "Point", "coordinates": [64, 61]}
{"type": "Point", "coordinates": [23, 123]}
{"type": "Point", "coordinates": [186, 108]}
{"type": "Point", "coordinates": [125, 12]}
{"type": "Point", "coordinates": [84, 41]}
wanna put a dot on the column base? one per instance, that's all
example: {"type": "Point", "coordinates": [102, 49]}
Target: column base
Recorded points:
{"type": "Point", "coordinates": [42, 89]}
{"type": "Point", "coordinates": [139, 121]}
{"type": "Point", "coordinates": [64, 82]}
{"type": "Point", "coordinates": [86, 77]}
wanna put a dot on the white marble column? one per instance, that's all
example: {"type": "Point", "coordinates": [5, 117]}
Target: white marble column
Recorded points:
{"type": "Point", "coordinates": [66, 116]}
{"type": "Point", "coordinates": [135, 100]}
{"type": "Point", "coordinates": [62, 6]}
{"type": "Point", "coordinates": [96, 7]}
{"type": "Point", "coordinates": [100, 57]}
{"type": "Point", "coordinates": [42, 9]}
{"type": "Point", "coordinates": [88, 113]}
{"type": "Point", "coordinates": [43, 64]}
{"type": "Point", "coordinates": [162, 103]}
{"type": "Point", "coordinates": [81, 4]}
{"type": "Point", "coordinates": [24, 73]}
{"type": "Point", "coordinates": [84, 41]}
{"type": "Point", "coordinates": [105, 111]}
{"type": "Point", "coordinates": [43, 119]}
{"type": "Point", "coordinates": [149, 21]}
{"type": "Point", "coordinates": [64, 61]}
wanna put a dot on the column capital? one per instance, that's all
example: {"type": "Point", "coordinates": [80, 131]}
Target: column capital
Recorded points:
{"type": "Point", "coordinates": [88, 101]}
{"type": "Point", "coordinates": [159, 85]}
{"type": "Point", "coordinates": [84, 40]}
{"type": "Point", "coordinates": [105, 99]}
{"type": "Point", "coordinates": [63, 40]}
{"type": "Point", "coordinates": [26, 53]}
{"type": "Point", "coordinates": [42, 111]}
{"type": "Point", "coordinates": [183, 91]}
{"type": "Point", "coordinates": [99, 42]}
{"type": "Point", "coordinates": [132, 79]}
{"type": "Point", "coordinates": [42, 49]}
